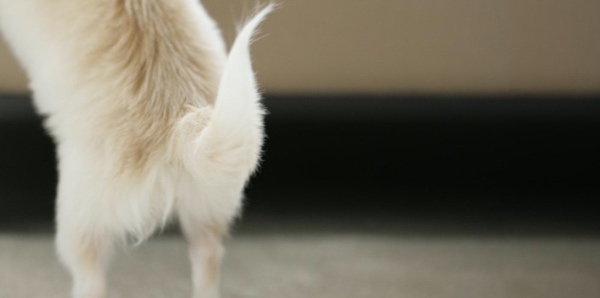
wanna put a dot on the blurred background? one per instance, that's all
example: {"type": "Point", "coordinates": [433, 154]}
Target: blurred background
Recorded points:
{"type": "Point", "coordinates": [396, 120]}
{"type": "Point", "coordinates": [382, 46]}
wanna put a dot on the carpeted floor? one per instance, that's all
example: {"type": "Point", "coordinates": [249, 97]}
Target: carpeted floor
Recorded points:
{"type": "Point", "coordinates": [333, 263]}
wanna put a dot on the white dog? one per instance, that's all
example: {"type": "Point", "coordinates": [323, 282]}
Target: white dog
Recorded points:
{"type": "Point", "coordinates": [151, 119]}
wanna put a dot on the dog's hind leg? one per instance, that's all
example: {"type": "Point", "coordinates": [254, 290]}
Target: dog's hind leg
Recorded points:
{"type": "Point", "coordinates": [86, 255]}
{"type": "Point", "coordinates": [206, 251]}
{"type": "Point", "coordinates": [84, 239]}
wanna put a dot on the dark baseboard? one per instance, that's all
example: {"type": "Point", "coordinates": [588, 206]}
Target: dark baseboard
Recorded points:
{"type": "Point", "coordinates": [405, 154]}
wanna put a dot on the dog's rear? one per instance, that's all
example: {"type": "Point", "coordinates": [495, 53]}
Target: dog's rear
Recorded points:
{"type": "Point", "coordinates": [151, 119]}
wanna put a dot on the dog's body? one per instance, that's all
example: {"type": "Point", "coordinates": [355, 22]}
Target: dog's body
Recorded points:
{"type": "Point", "coordinates": [151, 120]}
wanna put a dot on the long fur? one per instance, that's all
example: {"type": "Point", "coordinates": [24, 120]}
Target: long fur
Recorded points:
{"type": "Point", "coordinates": [151, 119]}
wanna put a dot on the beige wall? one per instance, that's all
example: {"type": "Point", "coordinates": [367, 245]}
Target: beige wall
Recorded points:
{"type": "Point", "coordinates": [416, 46]}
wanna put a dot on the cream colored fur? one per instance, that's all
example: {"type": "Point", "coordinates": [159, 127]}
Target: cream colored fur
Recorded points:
{"type": "Point", "coordinates": [152, 119]}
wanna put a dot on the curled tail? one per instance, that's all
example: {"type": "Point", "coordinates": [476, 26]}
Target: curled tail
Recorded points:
{"type": "Point", "coordinates": [227, 137]}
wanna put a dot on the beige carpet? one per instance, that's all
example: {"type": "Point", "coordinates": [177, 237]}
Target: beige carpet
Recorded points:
{"type": "Point", "coordinates": [333, 265]}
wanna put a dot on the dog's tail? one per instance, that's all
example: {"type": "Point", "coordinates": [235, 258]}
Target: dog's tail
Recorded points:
{"type": "Point", "coordinates": [227, 137]}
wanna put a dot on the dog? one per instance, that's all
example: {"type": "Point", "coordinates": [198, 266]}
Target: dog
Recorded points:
{"type": "Point", "coordinates": [152, 120]}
